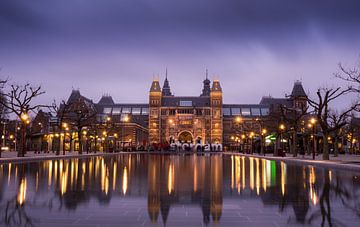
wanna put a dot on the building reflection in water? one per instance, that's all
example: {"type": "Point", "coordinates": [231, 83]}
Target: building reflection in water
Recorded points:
{"type": "Point", "coordinates": [170, 181]}
{"type": "Point", "coordinates": [174, 180]}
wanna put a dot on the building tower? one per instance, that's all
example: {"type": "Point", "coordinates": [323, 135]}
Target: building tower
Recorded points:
{"type": "Point", "coordinates": [154, 112]}
{"type": "Point", "coordinates": [298, 96]}
{"type": "Point", "coordinates": [166, 87]}
{"type": "Point", "coordinates": [206, 89]}
{"type": "Point", "coordinates": [216, 101]}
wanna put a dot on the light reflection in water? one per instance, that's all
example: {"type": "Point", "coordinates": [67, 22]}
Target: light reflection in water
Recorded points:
{"type": "Point", "coordinates": [125, 181]}
{"type": "Point", "coordinates": [21, 196]}
{"type": "Point", "coordinates": [168, 181]}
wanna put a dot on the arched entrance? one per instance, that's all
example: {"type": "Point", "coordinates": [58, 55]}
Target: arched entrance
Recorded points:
{"type": "Point", "coordinates": [185, 137]}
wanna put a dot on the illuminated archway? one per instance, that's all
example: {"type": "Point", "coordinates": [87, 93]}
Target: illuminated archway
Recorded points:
{"type": "Point", "coordinates": [185, 137]}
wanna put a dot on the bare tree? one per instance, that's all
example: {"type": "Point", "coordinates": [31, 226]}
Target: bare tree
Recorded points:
{"type": "Point", "coordinates": [60, 111]}
{"type": "Point", "coordinates": [293, 118]}
{"type": "Point", "coordinates": [81, 114]}
{"type": "Point", "coordinates": [19, 101]}
{"type": "Point", "coordinates": [321, 105]}
{"type": "Point", "coordinates": [351, 75]}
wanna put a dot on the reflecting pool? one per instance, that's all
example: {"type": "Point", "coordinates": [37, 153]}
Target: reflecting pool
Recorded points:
{"type": "Point", "coordinates": [176, 190]}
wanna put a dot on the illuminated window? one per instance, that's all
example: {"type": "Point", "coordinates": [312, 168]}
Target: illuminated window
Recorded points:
{"type": "Point", "coordinates": [226, 111]}
{"type": "Point", "coordinates": [245, 111]}
{"type": "Point", "coordinates": [136, 111]}
{"type": "Point", "coordinates": [145, 111]}
{"type": "Point", "coordinates": [126, 110]}
{"type": "Point", "coordinates": [185, 103]}
{"type": "Point", "coordinates": [235, 111]}
{"type": "Point", "coordinates": [264, 111]}
{"type": "Point", "coordinates": [116, 111]}
{"type": "Point", "coordinates": [107, 110]}
{"type": "Point", "coordinates": [255, 111]}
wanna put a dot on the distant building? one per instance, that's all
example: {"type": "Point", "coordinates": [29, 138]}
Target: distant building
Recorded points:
{"type": "Point", "coordinates": [167, 118]}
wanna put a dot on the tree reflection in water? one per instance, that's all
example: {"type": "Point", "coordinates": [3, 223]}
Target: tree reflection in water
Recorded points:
{"type": "Point", "coordinates": [303, 194]}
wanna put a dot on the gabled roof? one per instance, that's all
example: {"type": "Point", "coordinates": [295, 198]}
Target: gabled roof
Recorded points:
{"type": "Point", "coordinates": [155, 86]}
{"type": "Point", "coordinates": [276, 101]}
{"type": "Point", "coordinates": [106, 100]}
{"type": "Point", "coordinates": [298, 90]}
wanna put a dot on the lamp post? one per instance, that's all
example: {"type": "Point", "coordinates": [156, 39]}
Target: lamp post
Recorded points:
{"type": "Point", "coordinates": [282, 128]}
{"type": "Point", "coordinates": [124, 120]}
{"type": "Point", "coordinates": [263, 133]}
{"type": "Point", "coordinates": [312, 124]}
{"type": "Point", "coordinates": [25, 120]}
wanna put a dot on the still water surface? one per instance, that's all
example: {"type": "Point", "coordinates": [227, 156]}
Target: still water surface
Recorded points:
{"type": "Point", "coordinates": [176, 190]}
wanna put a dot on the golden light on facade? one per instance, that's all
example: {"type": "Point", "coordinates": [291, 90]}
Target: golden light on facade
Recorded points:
{"type": "Point", "coordinates": [21, 196]}
{"type": "Point", "coordinates": [313, 120]}
{"type": "Point", "coordinates": [126, 118]}
{"type": "Point", "coordinates": [171, 121]}
{"type": "Point", "coordinates": [282, 127]}
{"type": "Point", "coordinates": [238, 119]}
{"type": "Point", "coordinates": [104, 133]}
{"type": "Point", "coordinates": [310, 125]}
{"type": "Point", "coordinates": [243, 136]}
{"type": "Point", "coordinates": [65, 125]}
{"type": "Point", "coordinates": [232, 137]}
{"type": "Point", "coordinates": [108, 119]}
{"type": "Point", "coordinates": [252, 134]}
{"type": "Point", "coordinates": [264, 131]}
{"type": "Point", "coordinates": [28, 122]}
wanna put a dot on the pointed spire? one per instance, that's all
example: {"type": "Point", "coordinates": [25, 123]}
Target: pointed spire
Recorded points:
{"type": "Point", "coordinates": [166, 87]}
{"type": "Point", "coordinates": [206, 82]}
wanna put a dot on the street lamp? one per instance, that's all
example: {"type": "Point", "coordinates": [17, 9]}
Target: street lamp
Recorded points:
{"type": "Point", "coordinates": [312, 125]}
{"type": "Point", "coordinates": [282, 128]}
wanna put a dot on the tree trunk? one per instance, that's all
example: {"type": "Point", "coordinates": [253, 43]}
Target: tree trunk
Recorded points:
{"type": "Point", "coordinates": [294, 144]}
{"type": "Point", "coordinates": [80, 142]}
{"type": "Point", "coordinates": [21, 152]}
{"type": "Point", "coordinates": [325, 147]}
{"type": "Point", "coordinates": [262, 144]}
{"type": "Point", "coordinates": [336, 148]}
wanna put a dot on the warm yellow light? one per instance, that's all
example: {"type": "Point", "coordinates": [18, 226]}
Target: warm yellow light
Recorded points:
{"type": "Point", "coordinates": [264, 131]}
{"type": "Point", "coordinates": [28, 122]}
{"type": "Point", "coordinates": [310, 125]}
{"type": "Point", "coordinates": [11, 136]}
{"type": "Point", "coordinates": [24, 117]}
{"type": "Point", "coordinates": [84, 133]}
{"type": "Point", "coordinates": [252, 134]}
{"type": "Point", "coordinates": [238, 119]}
{"type": "Point", "coordinates": [171, 121]}
{"type": "Point", "coordinates": [126, 118]}
{"type": "Point", "coordinates": [65, 125]}
{"type": "Point", "coordinates": [232, 137]}
{"type": "Point", "coordinates": [104, 133]}
{"type": "Point", "coordinates": [282, 126]}
{"type": "Point", "coordinates": [312, 120]}
{"type": "Point", "coordinates": [108, 118]}
{"type": "Point", "coordinates": [115, 135]}
{"type": "Point", "coordinates": [243, 136]}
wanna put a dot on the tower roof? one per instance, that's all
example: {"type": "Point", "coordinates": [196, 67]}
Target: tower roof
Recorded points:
{"type": "Point", "coordinates": [155, 86]}
{"type": "Point", "coordinates": [298, 90]}
{"type": "Point", "coordinates": [166, 91]}
{"type": "Point", "coordinates": [206, 89]}
{"type": "Point", "coordinates": [216, 86]}
{"type": "Point", "coordinates": [106, 100]}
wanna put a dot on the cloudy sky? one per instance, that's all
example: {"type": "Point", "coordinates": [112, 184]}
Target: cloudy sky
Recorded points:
{"type": "Point", "coordinates": [254, 47]}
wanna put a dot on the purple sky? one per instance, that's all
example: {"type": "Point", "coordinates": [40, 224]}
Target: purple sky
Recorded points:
{"type": "Point", "coordinates": [254, 47]}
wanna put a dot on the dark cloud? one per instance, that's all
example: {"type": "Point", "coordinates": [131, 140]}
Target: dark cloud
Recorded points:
{"type": "Point", "coordinates": [112, 41]}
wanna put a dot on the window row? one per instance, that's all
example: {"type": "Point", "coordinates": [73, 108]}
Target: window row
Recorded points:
{"type": "Point", "coordinates": [236, 111]}
{"type": "Point", "coordinates": [126, 110]}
